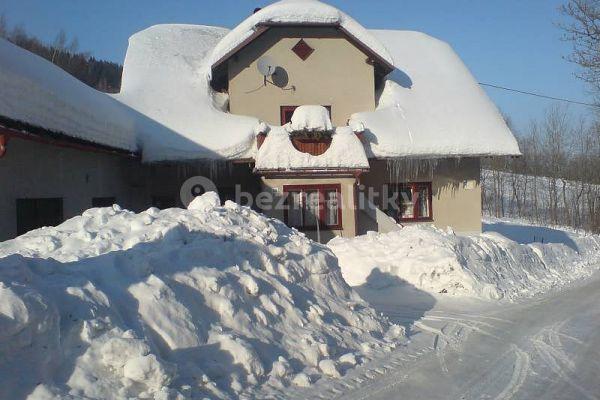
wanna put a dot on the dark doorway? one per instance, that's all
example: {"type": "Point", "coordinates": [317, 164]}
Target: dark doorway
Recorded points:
{"type": "Point", "coordinates": [36, 213]}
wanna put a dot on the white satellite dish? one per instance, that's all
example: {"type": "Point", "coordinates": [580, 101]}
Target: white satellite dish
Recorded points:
{"type": "Point", "coordinates": [266, 66]}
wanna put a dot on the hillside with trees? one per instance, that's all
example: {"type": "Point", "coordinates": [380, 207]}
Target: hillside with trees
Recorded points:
{"type": "Point", "coordinates": [64, 52]}
{"type": "Point", "coordinates": [557, 180]}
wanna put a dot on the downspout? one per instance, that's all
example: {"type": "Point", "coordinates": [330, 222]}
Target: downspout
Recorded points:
{"type": "Point", "coordinates": [356, 208]}
{"type": "Point", "coordinates": [3, 144]}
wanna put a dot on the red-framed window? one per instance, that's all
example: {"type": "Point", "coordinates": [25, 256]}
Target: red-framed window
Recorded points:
{"type": "Point", "coordinates": [413, 202]}
{"type": "Point", "coordinates": [288, 111]}
{"type": "Point", "coordinates": [309, 205]}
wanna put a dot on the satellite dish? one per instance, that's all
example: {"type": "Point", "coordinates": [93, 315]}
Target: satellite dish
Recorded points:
{"type": "Point", "coordinates": [266, 66]}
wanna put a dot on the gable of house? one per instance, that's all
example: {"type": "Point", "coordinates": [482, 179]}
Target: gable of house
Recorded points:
{"type": "Point", "coordinates": [332, 72]}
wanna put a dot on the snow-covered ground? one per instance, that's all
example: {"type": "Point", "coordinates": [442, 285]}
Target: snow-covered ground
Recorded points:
{"type": "Point", "coordinates": [211, 301]}
{"type": "Point", "coordinates": [463, 345]}
{"type": "Point", "coordinates": [540, 341]}
{"type": "Point", "coordinates": [221, 302]}
{"type": "Point", "coordinates": [470, 349]}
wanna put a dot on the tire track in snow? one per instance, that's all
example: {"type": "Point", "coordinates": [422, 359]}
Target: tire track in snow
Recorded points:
{"type": "Point", "coordinates": [555, 358]}
{"type": "Point", "coordinates": [521, 369]}
{"type": "Point", "coordinates": [473, 317]}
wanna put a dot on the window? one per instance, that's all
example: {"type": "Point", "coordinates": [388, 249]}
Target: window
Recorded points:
{"type": "Point", "coordinates": [103, 201]}
{"type": "Point", "coordinates": [36, 213]}
{"type": "Point", "coordinates": [413, 202]}
{"type": "Point", "coordinates": [308, 205]}
{"type": "Point", "coordinates": [302, 50]}
{"type": "Point", "coordinates": [288, 111]}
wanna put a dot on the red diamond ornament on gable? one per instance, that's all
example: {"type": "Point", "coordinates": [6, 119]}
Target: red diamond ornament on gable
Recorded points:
{"type": "Point", "coordinates": [302, 49]}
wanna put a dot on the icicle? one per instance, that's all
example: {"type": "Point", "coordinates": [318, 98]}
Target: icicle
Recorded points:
{"type": "Point", "coordinates": [212, 169]}
{"type": "Point", "coordinates": [406, 169]}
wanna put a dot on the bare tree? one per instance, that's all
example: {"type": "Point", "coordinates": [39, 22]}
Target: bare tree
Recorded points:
{"type": "Point", "coordinates": [3, 26]}
{"type": "Point", "coordinates": [583, 30]}
{"type": "Point", "coordinates": [556, 181]}
{"type": "Point", "coordinates": [59, 45]}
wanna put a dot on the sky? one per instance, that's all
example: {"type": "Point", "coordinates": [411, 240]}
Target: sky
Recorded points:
{"type": "Point", "coordinates": [513, 43]}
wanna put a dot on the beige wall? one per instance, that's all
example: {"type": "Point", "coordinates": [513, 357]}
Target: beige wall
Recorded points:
{"type": "Point", "coordinates": [456, 197]}
{"type": "Point", "coordinates": [33, 170]}
{"type": "Point", "coordinates": [275, 187]}
{"type": "Point", "coordinates": [335, 74]}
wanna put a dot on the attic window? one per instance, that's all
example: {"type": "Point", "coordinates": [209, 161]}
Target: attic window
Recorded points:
{"type": "Point", "coordinates": [302, 49]}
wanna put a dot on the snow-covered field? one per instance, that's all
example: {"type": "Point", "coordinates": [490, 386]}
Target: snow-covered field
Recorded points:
{"type": "Point", "coordinates": [509, 260]}
{"type": "Point", "coordinates": [222, 302]}
{"type": "Point", "coordinates": [211, 301]}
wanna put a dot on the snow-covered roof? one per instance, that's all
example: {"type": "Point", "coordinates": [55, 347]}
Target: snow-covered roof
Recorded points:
{"type": "Point", "coordinates": [38, 93]}
{"type": "Point", "coordinates": [277, 153]}
{"type": "Point", "coordinates": [301, 12]}
{"type": "Point", "coordinates": [165, 77]}
{"type": "Point", "coordinates": [432, 106]}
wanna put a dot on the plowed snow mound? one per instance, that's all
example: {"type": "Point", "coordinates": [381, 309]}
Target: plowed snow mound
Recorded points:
{"type": "Point", "coordinates": [488, 265]}
{"type": "Point", "coordinates": [175, 304]}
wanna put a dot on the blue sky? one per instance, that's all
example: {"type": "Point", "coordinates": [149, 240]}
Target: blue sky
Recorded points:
{"type": "Point", "coordinates": [511, 43]}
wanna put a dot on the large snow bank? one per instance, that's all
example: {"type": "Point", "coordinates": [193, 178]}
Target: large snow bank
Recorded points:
{"type": "Point", "coordinates": [165, 78]}
{"type": "Point", "coordinates": [212, 301]}
{"type": "Point", "coordinates": [297, 12]}
{"type": "Point", "coordinates": [278, 153]}
{"type": "Point", "coordinates": [39, 93]}
{"type": "Point", "coordinates": [432, 106]}
{"type": "Point", "coordinates": [488, 265]}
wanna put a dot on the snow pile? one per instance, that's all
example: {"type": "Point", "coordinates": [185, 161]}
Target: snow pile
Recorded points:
{"type": "Point", "coordinates": [165, 78]}
{"type": "Point", "coordinates": [311, 119]}
{"type": "Point", "coordinates": [432, 106]}
{"type": "Point", "coordinates": [212, 301]}
{"type": "Point", "coordinates": [297, 12]}
{"type": "Point", "coordinates": [39, 93]}
{"type": "Point", "coordinates": [488, 265]}
{"type": "Point", "coordinates": [278, 153]}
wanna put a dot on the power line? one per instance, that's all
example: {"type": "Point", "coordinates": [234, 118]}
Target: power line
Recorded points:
{"type": "Point", "coordinates": [539, 95]}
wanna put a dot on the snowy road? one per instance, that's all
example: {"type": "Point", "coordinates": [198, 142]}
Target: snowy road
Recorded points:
{"type": "Point", "coordinates": [547, 348]}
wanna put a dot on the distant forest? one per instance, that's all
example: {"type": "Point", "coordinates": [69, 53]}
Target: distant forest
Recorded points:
{"type": "Point", "coordinates": [64, 52]}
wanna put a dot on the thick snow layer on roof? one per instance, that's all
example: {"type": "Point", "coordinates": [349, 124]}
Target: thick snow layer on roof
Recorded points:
{"type": "Point", "coordinates": [209, 301]}
{"type": "Point", "coordinates": [298, 12]}
{"type": "Point", "coordinates": [165, 77]}
{"type": "Point", "coordinates": [39, 93]}
{"type": "Point", "coordinates": [278, 153]}
{"type": "Point", "coordinates": [311, 119]}
{"type": "Point", "coordinates": [432, 106]}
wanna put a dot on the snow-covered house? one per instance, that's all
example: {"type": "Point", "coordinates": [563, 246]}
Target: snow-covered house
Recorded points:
{"type": "Point", "coordinates": [298, 101]}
